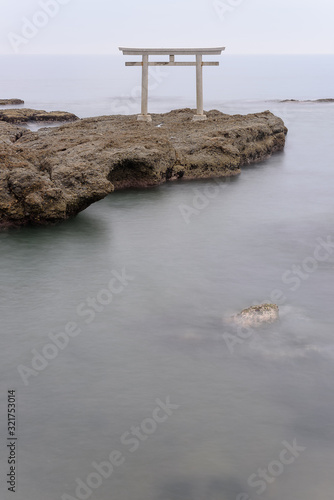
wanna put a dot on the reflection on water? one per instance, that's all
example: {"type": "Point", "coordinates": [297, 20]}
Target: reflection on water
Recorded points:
{"type": "Point", "coordinates": [163, 335]}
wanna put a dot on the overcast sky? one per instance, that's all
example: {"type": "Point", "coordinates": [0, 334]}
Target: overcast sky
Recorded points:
{"type": "Point", "coordinates": [100, 26]}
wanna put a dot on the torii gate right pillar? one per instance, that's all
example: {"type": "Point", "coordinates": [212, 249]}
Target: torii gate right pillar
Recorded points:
{"type": "Point", "coordinates": [199, 88]}
{"type": "Point", "coordinates": [144, 116]}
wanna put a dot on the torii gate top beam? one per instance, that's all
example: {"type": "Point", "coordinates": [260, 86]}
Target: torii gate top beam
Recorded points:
{"type": "Point", "coordinates": [162, 52]}
{"type": "Point", "coordinates": [172, 52]}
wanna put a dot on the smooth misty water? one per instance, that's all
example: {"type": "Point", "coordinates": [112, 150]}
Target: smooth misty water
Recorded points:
{"type": "Point", "coordinates": [164, 334]}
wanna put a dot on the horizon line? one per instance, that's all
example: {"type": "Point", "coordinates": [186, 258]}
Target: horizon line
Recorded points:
{"type": "Point", "coordinates": [120, 55]}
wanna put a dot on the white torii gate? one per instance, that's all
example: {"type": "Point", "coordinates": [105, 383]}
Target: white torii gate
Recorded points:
{"type": "Point", "coordinates": [145, 53]}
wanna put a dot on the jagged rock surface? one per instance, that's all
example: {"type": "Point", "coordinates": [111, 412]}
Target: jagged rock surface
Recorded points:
{"type": "Point", "coordinates": [50, 175]}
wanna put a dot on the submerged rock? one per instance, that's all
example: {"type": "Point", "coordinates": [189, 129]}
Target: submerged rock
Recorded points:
{"type": "Point", "coordinates": [10, 102]}
{"type": "Point", "coordinates": [24, 115]}
{"type": "Point", "coordinates": [54, 173]}
{"type": "Point", "coordinates": [257, 315]}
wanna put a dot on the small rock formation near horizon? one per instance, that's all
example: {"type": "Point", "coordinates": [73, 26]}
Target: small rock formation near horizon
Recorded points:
{"type": "Point", "coordinates": [256, 316]}
{"type": "Point", "coordinates": [11, 102]}
{"type": "Point", "coordinates": [52, 174]}
{"type": "Point", "coordinates": [326, 100]}
{"type": "Point", "coordinates": [25, 115]}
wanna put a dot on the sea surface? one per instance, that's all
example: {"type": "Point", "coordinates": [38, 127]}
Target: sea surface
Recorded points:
{"type": "Point", "coordinates": [252, 412]}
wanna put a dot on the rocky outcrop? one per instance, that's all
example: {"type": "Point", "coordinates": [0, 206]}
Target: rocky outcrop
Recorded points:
{"type": "Point", "coordinates": [257, 316]}
{"type": "Point", "coordinates": [50, 175]}
{"type": "Point", "coordinates": [10, 102]}
{"type": "Point", "coordinates": [24, 115]}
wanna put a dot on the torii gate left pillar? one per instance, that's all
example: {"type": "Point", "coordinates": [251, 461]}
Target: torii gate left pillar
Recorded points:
{"type": "Point", "coordinates": [145, 53]}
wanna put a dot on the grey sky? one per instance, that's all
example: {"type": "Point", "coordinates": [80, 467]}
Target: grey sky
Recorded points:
{"type": "Point", "coordinates": [100, 26]}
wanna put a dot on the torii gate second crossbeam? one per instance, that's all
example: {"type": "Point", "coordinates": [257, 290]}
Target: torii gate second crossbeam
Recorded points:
{"type": "Point", "coordinates": [145, 53]}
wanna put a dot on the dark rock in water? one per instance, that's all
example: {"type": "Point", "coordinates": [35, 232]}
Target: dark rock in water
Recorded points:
{"type": "Point", "coordinates": [257, 315]}
{"type": "Point", "coordinates": [24, 115]}
{"type": "Point", "coordinates": [10, 102]}
{"type": "Point", "coordinates": [50, 175]}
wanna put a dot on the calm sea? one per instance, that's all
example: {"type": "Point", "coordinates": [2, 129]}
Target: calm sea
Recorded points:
{"type": "Point", "coordinates": [252, 412]}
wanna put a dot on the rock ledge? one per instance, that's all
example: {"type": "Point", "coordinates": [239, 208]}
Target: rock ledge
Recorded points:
{"type": "Point", "coordinates": [54, 173]}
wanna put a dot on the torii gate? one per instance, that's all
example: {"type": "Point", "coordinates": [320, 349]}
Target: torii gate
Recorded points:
{"type": "Point", "coordinates": [145, 53]}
